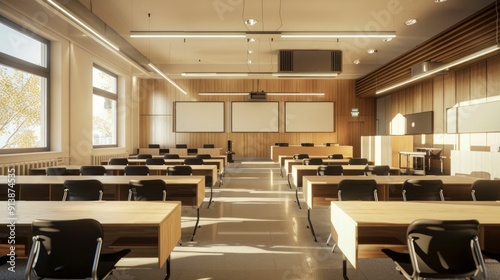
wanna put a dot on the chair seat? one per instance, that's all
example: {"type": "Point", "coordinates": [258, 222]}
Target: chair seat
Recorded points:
{"type": "Point", "coordinates": [107, 262]}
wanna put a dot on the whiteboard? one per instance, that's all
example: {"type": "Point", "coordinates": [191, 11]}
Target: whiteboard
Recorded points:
{"type": "Point", "coordinates": [254, 116]}
{"type": "Point", "coordinates": [192, 116]}
{"type": "Point", "coordinates": [479, 118]}
{"type": "Point", "coordinates": [309, 117]}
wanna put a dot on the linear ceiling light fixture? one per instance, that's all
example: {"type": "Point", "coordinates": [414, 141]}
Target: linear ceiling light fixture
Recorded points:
{"type": "Point", "coordinates": [309, 74]}
{"type": "Point", "coordinates": [82, 24]}
{"type": "Point", "coordinates": [230, 34]}
{"type": "Point", "coordinates": [441, 68]}
{"type": "Point", "coordinates": [214, 74]}
{"type": "Point", "coordinates": [166, 78]}
{"type": "Point", "coordinates": [267, 93]}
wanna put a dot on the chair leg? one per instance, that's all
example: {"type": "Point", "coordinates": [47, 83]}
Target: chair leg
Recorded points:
{"type": "Point", "coordinates": [334, 245]}
{"type": "Point", "coordinates": [197, 221]}
{"type": "Point", "coordinates": [310, 223]}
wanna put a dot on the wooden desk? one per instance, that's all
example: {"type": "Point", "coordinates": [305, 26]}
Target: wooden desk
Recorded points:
{"type": "Point", "coordinates": [276, 151]}
{"type": "Point", "coordinates": [353, 221]}
{"type": "Point", "coordinates": [321, 190]}
{"type": "Point", "coordinates": [198, 170]}
{"type": "Point", "coordinates": [159, 220]}
{"type": "Point", "coordinates": [213, 161]}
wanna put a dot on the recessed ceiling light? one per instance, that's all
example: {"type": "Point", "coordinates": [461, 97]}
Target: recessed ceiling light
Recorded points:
{"type": "Point", "coordinates": [251, 22]}
{"type": "Point", "coordinates": [411, 21]}
{"type": "Point", "coordinates": [249, 61]}
{"type": "Point", "coordinates": [370, 51]}
{"type": "Point", "coordinates": [251, 40]}
{"type": "Point", "coordinates": [357, 61]}
{"type": "Point", "coordinates": [250, 51]}
{"type": "Point", "coordinates": [387, 39]}
{"type": "Point", "coordinates": [439, 1]}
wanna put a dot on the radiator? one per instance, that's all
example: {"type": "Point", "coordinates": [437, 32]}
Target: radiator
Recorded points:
{"type": "Point", "coordinates": [23, 168]}
{"type": "Point", "coordinates": [100, 159]}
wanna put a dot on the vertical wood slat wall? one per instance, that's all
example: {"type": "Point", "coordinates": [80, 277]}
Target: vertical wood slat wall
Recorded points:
{"type": "Point", "coordinates": [475, 82]}
{"type": "Point", "coordinates": [156, 99]}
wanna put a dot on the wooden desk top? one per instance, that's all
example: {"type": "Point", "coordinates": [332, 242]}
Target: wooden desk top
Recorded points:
{"type": "Point", "coordinates": [116, 217]}
{"type": "Point", "coordinates": [351, 219]}
{"type": "Point", "coordinates": [390, 180]}
{"type": "Point", "coordinates": [106, 180]}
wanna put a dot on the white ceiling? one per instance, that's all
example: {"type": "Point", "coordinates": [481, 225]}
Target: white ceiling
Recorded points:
{"type": "Point", "coordinates": [175, 56]}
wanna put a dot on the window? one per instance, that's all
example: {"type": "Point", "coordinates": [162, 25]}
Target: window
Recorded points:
{"type": "Point", "coordinates": [105, 98]}
{"type": "Point", "coordinates": [24, 80]}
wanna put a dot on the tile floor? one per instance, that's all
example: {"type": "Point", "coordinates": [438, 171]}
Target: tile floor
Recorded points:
{"type": "Point", "coordinates": [254, 230]}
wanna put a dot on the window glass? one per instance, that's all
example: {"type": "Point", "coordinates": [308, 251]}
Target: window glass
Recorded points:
{"type": "Point", "coordinates": [104, 125]}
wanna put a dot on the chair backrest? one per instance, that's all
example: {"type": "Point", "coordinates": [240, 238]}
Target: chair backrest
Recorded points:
{"type": "Point", "coordinates": [193, 161]}
{"type": "Point", "coordinates": [118, 161]}
{"type": "Point", "coordinates": [313, 161]}
{"type": "Point", "coordinates": [92, 170]}
{"type": "Point", "coordinates": [179, 170]}
{"type": "Point", "coordinates": [485, 190]}
{"type": "Point", "coordinates": [154, 146]}
{"type": "Point", "coordinates": [336, 156]}
{"type": "Point", "coordinates": [358, 161]}
{"type": "Point", "coordinates": [65, 249]}
{"type": "Point", "coordinates": [445, 249]}
{"type": "Point", "coordinates": [181, 146]}
{"type": "Point", "coordinates": [171, 156]}
{"type": "Point", "coordinates": [300, 156]}
{"type": "Point", "coordinates": [481, 174]}
{"type": "Point", "coordinates": [82, 190]}
{"type": "Point", "coordinates": [307, 144]}
{"type": "Point", "coordinates": [208, 146]}
{"type": "Point", "coordinates": [55, 171]}
{"type": "Point", "coordinates": [380, 170]}
{"type": "Point", "coordinates": [144, 156]}
{"type": "Point", "coordinates": [353, 189]}
{"type": "Point", "coordinates": [155, 161]}
{"type": "Point", "coordinates": [414, 189]}
{"type": "Point", "coordinates": [136, 170]}
{"type": "Point", "coordinates": [330, 170]}
{"type": "Point", "coordinates": [204, 156]}
{"type": "Point", "coordinates": [281, 144]}
{"type": "Point", "coordinates": [148, 190]}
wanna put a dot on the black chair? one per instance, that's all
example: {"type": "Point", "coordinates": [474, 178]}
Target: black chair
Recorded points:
{"type": "Point", "coordinates": [144, 156]}
{"type": "Point", "coordinates": [193, 161]}
{"type": "Point", "coordinates": [282, 144]}
{"type": "Point", "coordinates": [147, 190]}
{"type": "Point", "coordinates": [441, 249]}
{"type": "Point", "coordinates": [336, 156]}
{"type": "Point", "coordinates": [118, 161]}
{"type": "Point", "coordinates": [485, 190]}
{"type": "Point", "coordinates": [204, 156]}
{"type": "Point", "coordinates": [69, 249]}
{"type": "Point", "coordinates": [208, 146]}
{"type": "Point", "coordinates": [181, 146]}
{"type": "Point", "coordinates": [171, 156]}
{"type": "Point", "coordinates": [379, 170]}
{"type": "Point", "coordinates": [313, 161]}
{"type": "Point", "coordinates": [300, 156]}
{"type": "Point", "coordinates": [154, 146]}
{"type": "Point", "coordinates": [179, 170]}
{"type": "Point", "coordinates": [307, 144]}
{"type": "Point", "coordinates": [155, 161]}
{"type": "Point", "coordinates": [358, 161]}
{"type": "Point", "coordinates": [55, 171]}
{"type": "Point", "coordinates": [136, 170]}
{"type": "Point", "coordinates": [353, 189]}
{"type": "Point", "coordinates": [92, 170]}
{"type": "Point", "coordinates": [330, 170]}
{"type": "Point", "coordinates": [82, 190]}
{"type": "Point", "coordinates": [414, 189]}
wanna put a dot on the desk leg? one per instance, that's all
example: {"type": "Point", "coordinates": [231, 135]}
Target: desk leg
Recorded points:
{"type": "Point", "coordinates": [197, 221]}
{"type": "Point", "coordinates": [211, 194]}
{"type": "Point", "coordinates": [310, 223]}
{"type": "Point", "coordinates": [297, 197]}
{"type": "Point", "coordinates": [344, 267]}
{"type": "Point", "coordinates": [168, 268]}
{"type": "Point", "coordinates": [288, 180]}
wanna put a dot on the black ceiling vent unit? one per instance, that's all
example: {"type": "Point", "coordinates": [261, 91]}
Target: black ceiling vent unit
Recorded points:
{"type": "Point", "coordinates": [310, 61]}
{"type": "Point", "coordinates": [257, 96]}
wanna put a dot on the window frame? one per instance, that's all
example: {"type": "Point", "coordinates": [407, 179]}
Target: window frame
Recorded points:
{"type": "Point", "coordinates": [109, 95]}
{"type": "Point", "coordinates": [44, 72]}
